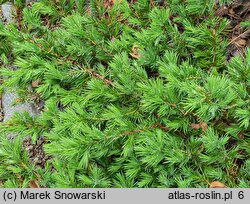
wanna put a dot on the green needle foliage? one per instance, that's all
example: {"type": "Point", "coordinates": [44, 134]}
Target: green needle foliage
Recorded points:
{"type": "Point", "coordinates": [136, 95]}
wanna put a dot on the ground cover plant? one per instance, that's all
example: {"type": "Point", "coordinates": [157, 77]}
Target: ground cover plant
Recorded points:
{"type": "Point", "coordinates": [132, 94]}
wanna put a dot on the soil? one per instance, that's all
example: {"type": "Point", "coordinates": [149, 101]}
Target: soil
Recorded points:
{"type": "Point", "coordinates": [236, 12]}
{"type": "Point", "coordinates": [35, 151]}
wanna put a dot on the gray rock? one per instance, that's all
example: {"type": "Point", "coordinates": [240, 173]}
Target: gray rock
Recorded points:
{"type": "Point", "coordinates": [8, 11]}
{"type": "Point", "coordinates": [8, 100]}
{"type": "Point", "coordinates": [10, 97]}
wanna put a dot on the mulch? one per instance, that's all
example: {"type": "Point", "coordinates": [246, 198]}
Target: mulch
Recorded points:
{"type": "Point", "coordinates": [239, 37]}
{"type": "Point", "coordinates": [35, 151]}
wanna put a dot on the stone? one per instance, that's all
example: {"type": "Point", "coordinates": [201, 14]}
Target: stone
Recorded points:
{"type": "Point", "coordinates": [8, 12]}
{"type": "Point", "coordinates": [9, 97]}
